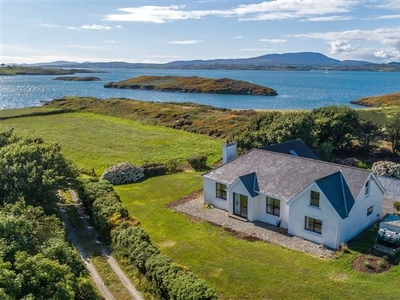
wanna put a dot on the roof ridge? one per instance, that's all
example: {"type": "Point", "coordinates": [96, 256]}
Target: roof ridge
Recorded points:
{"type": "Point", "coordinates": [311, 159]}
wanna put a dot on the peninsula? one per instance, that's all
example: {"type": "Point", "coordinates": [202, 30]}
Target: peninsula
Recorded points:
{"type": "Point", "coordinates": [193, 84]}
{"type": "Point", "coordinates": [77, 78]}
{"type": "Point", "coordinates": [24, 70]}
{"type": "Point", "coordinates": [392, 99]}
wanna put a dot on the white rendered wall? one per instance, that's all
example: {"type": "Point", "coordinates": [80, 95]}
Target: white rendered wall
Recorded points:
{"type": "Point", "coordinates": [260, 213]}
{"type": "Point", "coordinates": [209, 190]}
{"type": "Point", "coordinates": [300, 208]}
{"type": "Point", "coordinates": [358, 219]}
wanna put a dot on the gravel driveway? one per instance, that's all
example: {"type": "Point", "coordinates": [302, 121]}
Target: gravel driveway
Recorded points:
{"type": "Point", "coordinates": [193, 206]}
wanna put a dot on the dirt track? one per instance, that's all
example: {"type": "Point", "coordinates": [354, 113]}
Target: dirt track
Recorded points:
{"type": "Point", "coordinates": [135, 294]}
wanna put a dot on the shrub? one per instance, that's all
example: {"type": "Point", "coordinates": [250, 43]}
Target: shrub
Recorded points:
{"type": "Point", "coordinates": [123, 173]}
{"type": "Point", "coordinates": [188, 286]}
{"type": "Point", "coordinates": [154, 169]}
{"type": "Point", "coordinates": [198, 162]}
{"type": "Point", "coordinates": [387, 169]}
{"type": "Point", "coordinates": [141, 253]}
{"type": "Point", "coordinates": [396, 205]}
{"type": "Point", "coordinates": [325, 151]}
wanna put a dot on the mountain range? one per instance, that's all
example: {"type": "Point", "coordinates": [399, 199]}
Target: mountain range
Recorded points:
{"type": "Point", "coordinates": [286, 61]}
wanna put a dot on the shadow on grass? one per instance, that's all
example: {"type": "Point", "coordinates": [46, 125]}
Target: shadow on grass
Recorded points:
{"type": "Point", "coordinates": [365, 241]}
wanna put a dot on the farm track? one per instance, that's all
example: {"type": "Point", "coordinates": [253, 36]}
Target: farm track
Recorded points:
{"type": "Point", "coordinates": [105, 250]}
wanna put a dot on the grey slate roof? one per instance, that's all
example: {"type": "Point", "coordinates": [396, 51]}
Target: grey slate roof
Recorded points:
{"type": "Point", "coordinates": [338, 193]}
{"type": "Point", "coordinates": [250, 182]}
{"type": "Point", "coordinates": [297, 145]}
{"type": "Point", "coordinates": [283, 176]}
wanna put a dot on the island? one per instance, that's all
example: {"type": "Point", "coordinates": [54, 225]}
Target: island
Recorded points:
{"type": "Point", "coordinates": [77, 78]}
{"type": "Point", "coordinates": [392, 99]}
{"type": "Point", "coordinates": [193, 84]}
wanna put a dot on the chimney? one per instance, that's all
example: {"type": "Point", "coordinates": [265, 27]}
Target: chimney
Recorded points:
{"type": "Point", "coordinates": [229, 152]}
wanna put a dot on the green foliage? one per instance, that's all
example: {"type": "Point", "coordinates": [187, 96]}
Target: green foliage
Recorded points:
{"type": "Point", "coordinates": [275, 127]}
{"type": "Point", "coordinates": [35, 260]}
{"type": "Point", "coordinates": [103, 204]}
{"type": "Point", "coordinates": [171, 281]}
{"type": "Point", "coordinates": [392, 130]}
{"type": "Point", "coordinates": [396, 205]}
{"type": "Point", "coordinates": [154, 169]}
{"type": "Point", "coordinates": [335, 124]}
{"type": "Point", "coordinates": [32, 169]}
{"type": "Point", "coordinates": [325, 151]}
{"type": "Point", "coordinates": [198, 162]}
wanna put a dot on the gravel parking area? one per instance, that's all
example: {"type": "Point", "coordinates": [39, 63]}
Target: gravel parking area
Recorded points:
{"type": "Point", "coordinates": [193, 206]}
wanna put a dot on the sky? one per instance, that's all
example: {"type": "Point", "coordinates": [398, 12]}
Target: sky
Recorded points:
{"type": "Point", "coordinates": [162, 31]}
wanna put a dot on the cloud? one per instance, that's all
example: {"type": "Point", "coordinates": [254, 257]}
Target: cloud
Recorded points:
{"type": "Point", "coordinates": [95, 27]}
{"type": "Point", "coordinates": [238, 37]}
{"type": "Point", "coordinates": [110, 41]}
{"type": "Point", "coordinates": [385, 41]}
{"type": "Point", "coordinates": [267, 10]}
{"type": "Point", "coordinates": [388, 17]}
{"type": "Point", "coordinates": [273, 41]}
{"type": "Point", "coordinates": [328, 19]}
{"type": "Point", "coordinates": [341, 46]}
{"type": "Point", "coordinates": [388, 4]}
{"type": "Point", "coordinates": [186, 42]}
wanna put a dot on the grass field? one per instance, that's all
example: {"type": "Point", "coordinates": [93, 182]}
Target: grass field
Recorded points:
{"type": "Point", "coordinates": [98, 142]}
{"type": "Point", "coordinates": [239, 269]}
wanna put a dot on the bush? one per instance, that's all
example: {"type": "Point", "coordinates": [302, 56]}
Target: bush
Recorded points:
{"type": "Point", "coordinates": [396, 205]}
{"type": "Point", "coordinates": [387, 169]}
{"type": "Point", "coordinates": [198, 162]}
{"type": "Point", "coordinates": [123, 173]}
{"type": "Point", "coordinates": [154, 169]}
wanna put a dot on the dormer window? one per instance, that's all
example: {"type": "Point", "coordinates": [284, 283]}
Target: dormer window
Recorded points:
{"type": "Point", "coordinates": [314, 199]}
{"type": "Point", "coordinates": [292, 152]}
{"type": "Point", "coordinates": [366, 192]}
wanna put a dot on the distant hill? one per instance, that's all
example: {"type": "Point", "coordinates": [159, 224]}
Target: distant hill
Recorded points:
{"type": "Point", "coordinates": [301, 61]}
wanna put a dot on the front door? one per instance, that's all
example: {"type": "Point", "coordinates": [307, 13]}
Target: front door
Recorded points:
{"type": "Point", "coordinates": [240, 205]}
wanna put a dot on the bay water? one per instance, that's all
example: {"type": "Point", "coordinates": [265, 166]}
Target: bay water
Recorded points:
{"type": "Point", "coordinates": [296, 89]}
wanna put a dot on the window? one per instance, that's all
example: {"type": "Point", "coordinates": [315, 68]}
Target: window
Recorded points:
{"type": "Point", "coordinates": [314, 199]}
{"type": "Point", "coordinates": [370, 210]}
{"type": "Point", "coordinates": [366, 193]}
{"type": "Point", "coordinates": [273, 206]}
{"type": "Point", "coordinates": [313, 225]}
{"type": "Point", "coordinates": [220, 190]}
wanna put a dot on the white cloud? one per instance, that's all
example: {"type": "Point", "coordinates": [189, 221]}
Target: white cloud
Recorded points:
{"type": "Point", "coordinates": [186, 42]}
{"type": "Point", "coordinates": [380, 43]}
{"type": "Point", "coordinates": [267, 10]}
{"type": "Point", "coordinates": [388, 4]}
{"type": "Point", "coordinates": [328, 19]}
{"type": "Point", "coordinates": [388, 17]}
{"type": "Point", "coordinates": [273, 41]}
{"type": "Point", "coordinates": [238, 37]}
{"type": "Point", "coordinates": [110, 41]}
{"type": "Point", "coordinates": [341, 46]}
{"type": "Point", "coordinates": [95, 27]}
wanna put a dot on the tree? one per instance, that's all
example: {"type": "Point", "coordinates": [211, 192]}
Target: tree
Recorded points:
{"type": "Point", "coordinates": [335, 124]}
{"type": "Point", "coordinates": [392, 131]}
{"type": "Point", "coordinates": [32, 169]}
{"type": "Point", "coordinates": [367, 132]}
{"type": "Point", "coordinates": [276, 127]}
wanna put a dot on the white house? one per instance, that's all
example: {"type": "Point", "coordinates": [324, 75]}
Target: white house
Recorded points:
{"type": "Point", "coordinates": [319, 201]}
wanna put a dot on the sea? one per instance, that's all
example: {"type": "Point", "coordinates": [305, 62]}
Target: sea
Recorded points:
{"type": "Point", "coordinates": [296, 89]}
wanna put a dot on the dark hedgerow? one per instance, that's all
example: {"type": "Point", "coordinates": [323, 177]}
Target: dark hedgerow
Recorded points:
{"type": "Point", "coordinates": [198, 162]}
{"type": "Point", "coordinates": [171, 281]}
{"type": "Point", "coordinates": [154, 169]}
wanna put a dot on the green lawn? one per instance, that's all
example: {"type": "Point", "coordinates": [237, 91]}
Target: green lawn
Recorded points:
{"type": "Point", "coordinates": [239, 269]}
{"type": "Point", "coordinates": [98, 141]}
